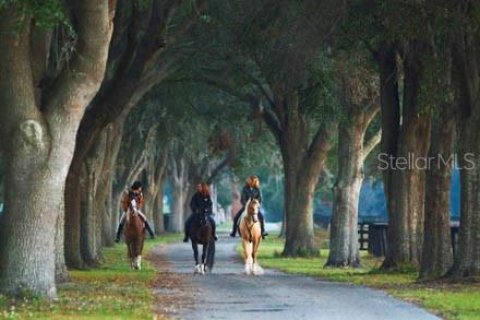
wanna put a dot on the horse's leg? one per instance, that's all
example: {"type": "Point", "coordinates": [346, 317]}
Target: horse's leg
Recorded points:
{"type": "Point", "coordinates": [257, 270]}
{"type": "Point", "coordinates": [195, 255]}
{"type": "Point", "coordinates": [140, 250]}
{"type": "Point", "coordinates": [204, 256]}
{"type": "Point", "coordinates": [204, 253]}
{"type": "Point", "coordinates": [130, 254]}
{"type": "Point", "coordinates": [247, 255]}
{"type": "Point", "coordinates": [138, 254]}
{"type": "Point", "coordinates": [195, 251]}
{"type": "Point", "coordinates": [135, 253]}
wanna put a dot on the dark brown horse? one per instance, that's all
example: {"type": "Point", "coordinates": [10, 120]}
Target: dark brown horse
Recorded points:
{"type": "Point", "coordinates": [201, 233]}
{"type": "Point", "coordinates": [134, 237]}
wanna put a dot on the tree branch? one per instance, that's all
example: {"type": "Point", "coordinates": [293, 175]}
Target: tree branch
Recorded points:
{"type": "Point", "coordinates": [371, 144]}
{"type": "Point", "coordinates": [228, 159]}
{"type": "Point", "coordinates": [79, 82]}
{"type": "Point", "coordinates": [137, 168]}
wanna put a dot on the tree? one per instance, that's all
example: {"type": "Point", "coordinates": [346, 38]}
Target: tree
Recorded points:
{"type": "Point", "coordinates": [41, 118]}
{"type": "Point", "coordinates": [466, 75]}
{"type": "Point", "coordinates": [138, 60]}
{"type": "Point", "coordinates": [359, 96]}
{"type": "Point", "coordinates": [202, 143]}
{"type": "Point", "coordinates": [401, 56]}
{"type": "Point", "coordinates": [269, 54]}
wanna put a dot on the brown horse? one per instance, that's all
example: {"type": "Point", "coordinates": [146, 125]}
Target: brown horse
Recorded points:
{"type": "Point", "coordinates": [134, 237]}
{"type": "Point", "coordinates": [251, 237]}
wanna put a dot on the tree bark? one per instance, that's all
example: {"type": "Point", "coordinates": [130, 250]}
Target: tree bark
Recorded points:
{"type": "Point", "coordinates": [109, 215]}
{"type": "Point", "coordinates": [73, 256]}
{"type": "Point", "coordinates": [90, 239]}
{"type": "Point", "coordinates": [406, 186]}
{"type": "Point", "coordinates": [437, 256]}
{"type": "Point", "coordinates": [41, 142]}
{"type": "Point", "coordinates": [467, 258]}
{"type": "Point", "coordinates": [61, 273]}
{"type": "Point", "coordinates": [466, 65]}
{"type": "Point", "coordinates": [303, 163]}
{"type": "Point", "coordinates": [158, 208]}
{"type": "Point", "coordinates": [344, 248]}
{"type": "Point", "coordinates": [180, 185]}
{"type": "Point", "coordinates": [133, 75]}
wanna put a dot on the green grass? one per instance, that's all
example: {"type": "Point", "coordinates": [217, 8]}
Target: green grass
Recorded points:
{"type": "Point", "coordinates": [112, 291]}
{"type": "Point", "coordinates": [451, 301]}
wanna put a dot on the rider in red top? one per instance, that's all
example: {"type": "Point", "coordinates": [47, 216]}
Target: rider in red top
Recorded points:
{"type": "Point", "coordinates": [135, 193]}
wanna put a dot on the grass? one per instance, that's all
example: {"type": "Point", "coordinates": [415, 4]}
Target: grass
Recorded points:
{"type": "Point", "coordinates": [449, 300]}
{"type": "Point", "coordinates": [112, 291]}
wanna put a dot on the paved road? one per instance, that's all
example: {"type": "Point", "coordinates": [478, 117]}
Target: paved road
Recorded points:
{"type": "Point", "coordinates": [228, 294]}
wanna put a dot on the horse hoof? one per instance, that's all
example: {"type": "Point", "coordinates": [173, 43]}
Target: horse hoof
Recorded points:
{"type": "Point", "coordinates": [257, 270]}
{"type": "Point", "coordinates": [198, 269]}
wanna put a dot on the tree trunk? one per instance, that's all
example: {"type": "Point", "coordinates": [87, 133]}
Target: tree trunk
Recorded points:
{"type": "Point", "coordinates": [91, 214]}
{"type": "Point", "coordinates": [390, 114]}
{"type": "Point", "coordinates": [103, 196]}
{"type": "Point", "coordinates": [73, 256]}
{"type": "Point", "coordinates": [467, 258]}
{"type": "Point", "coordinates": [300, 237]}
{"type": "Point", "coordinates": [178, 206]}
{"type": "Point", "coordinates": [466, 62]}
{"type": "Point", "coordinates": [344, 249]}
{"type": "Point", "coordinates": [179, 173]}
{"type": "Point", "coordinates": [437, 255]}
{"type": "Point", "coordinates": [303, 164]}
{"type": "Point", "coordinates": [406, 184]}
{"type": "Point", "coordinates": [41, 142]}
{"type": "Point", "coordinates": [61, 273]}
{"type": "Point", "coordinates": [405, 232]}
{"type": "Point", "coordinates": [158, 210]}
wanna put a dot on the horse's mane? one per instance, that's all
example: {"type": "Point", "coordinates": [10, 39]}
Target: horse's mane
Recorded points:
{"type": "Point", "coordinates": [245, 209]}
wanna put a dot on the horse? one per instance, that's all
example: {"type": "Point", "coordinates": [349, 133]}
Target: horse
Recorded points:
{"type": "Point", "coordinates": [201, 233]}
{"type": "Point", "coordinates": [134, 233]}
{"type": "Point", "coordinates": [250, 231]}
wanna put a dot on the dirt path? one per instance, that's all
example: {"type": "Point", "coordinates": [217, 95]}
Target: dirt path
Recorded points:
{"type": "Point", "coordinates": [228, 294]}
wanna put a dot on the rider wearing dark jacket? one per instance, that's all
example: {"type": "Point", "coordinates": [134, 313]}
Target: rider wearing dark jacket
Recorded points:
{"type": "Point", "coordinates": [201, 203]}
{"type": "Point", "coordinates": [251, 190]}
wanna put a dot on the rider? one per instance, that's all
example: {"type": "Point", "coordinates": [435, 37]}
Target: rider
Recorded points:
{"type": "Point", "coordinates": [250, 190]}
{"type": "Point", "coordinates": [200, 203]}
{"type": "Point", "coordinates": [135, 193]}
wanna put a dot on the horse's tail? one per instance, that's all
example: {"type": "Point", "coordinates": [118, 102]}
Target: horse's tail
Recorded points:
{"type": "Point", "coordinates": [210, 254]}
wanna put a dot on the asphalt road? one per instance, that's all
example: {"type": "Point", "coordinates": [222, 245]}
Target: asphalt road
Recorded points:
{"type": "Point", "coordinates": [229, 294]}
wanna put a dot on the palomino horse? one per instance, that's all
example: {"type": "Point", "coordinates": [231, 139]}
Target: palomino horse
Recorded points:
{"type": "Point", "coordinates": [134, 236]}
{"type": "Point", "coordinates": [251, 237]}
{"type": "Point", "coordinates": [201, 233]}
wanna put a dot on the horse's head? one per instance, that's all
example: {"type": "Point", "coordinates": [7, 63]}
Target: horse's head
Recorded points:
{"type": "Point", "coordinates": [132, 210]}
{"type": "Point", "coordinates": [252, 209]}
